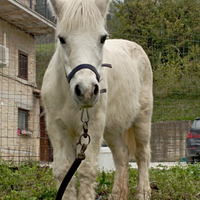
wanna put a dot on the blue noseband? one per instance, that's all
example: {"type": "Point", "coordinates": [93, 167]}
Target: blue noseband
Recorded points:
{"type": "Point", "coordinates": [86, 66]}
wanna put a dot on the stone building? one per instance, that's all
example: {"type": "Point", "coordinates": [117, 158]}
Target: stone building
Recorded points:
{"type": "Point", "coordinates": [19, 97]}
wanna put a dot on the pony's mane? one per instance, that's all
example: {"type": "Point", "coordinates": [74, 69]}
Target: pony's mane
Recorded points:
{"type": "Point", "coordinates": [80, 15]}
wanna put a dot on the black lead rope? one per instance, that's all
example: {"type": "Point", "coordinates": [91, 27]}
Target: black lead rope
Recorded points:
{"type": "Point", "coordinates": [78, 160]}
{"type": "Point", "coordinates": [71, 172]}
{"type": "Point", "coordinates": [67, 178]}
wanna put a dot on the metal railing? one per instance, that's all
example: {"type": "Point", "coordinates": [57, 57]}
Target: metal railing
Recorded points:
{"type": "Point", "coordinates": [40, 6]}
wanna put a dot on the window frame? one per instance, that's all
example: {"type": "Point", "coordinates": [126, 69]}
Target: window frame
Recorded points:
{"type": "Point", "coordinates": [26, 118]}
{"type": "Point", "coordinates": [195, 124]}
{"type": "Point", "coordinates": [19, 65]}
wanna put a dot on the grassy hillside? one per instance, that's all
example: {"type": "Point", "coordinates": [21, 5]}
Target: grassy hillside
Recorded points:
{"type": "Point", "coordinates": [175, 110]}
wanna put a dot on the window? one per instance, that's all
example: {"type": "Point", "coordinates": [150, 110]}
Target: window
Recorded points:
{"type": "Point", "coordinates": [22, 119]}
{"type": "Point", "coordinates": [23, 65]}
{"type": "Point", "coordinates": [196, 124]}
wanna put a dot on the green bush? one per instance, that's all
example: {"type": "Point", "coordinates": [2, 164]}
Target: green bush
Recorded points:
{"type": "Point", "coordinates": [177, 77]}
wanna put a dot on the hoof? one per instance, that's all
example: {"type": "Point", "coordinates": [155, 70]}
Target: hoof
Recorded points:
{"type": "Point", "coordinates": [146, 195]}
{"type": "Point", "coordinates": [115, 197]}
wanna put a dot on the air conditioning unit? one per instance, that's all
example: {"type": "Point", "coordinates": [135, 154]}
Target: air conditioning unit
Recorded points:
{"type": "Point", "coordinates": [4, 56]}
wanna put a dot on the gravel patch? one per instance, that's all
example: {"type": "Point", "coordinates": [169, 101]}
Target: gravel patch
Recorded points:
{"type": "Point", "coordinates": [159, 164]}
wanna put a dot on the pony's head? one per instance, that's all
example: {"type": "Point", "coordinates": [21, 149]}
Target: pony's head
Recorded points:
{"type": "Point", "coordinates": [81, 35]}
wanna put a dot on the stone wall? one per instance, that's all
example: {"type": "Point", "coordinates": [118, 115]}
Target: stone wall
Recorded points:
{"type": "Point", "coordinates": [15, 93]}
{"type": "Point", "coordinates": [168, 140]}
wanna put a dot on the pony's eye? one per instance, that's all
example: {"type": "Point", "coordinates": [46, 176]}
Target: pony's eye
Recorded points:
{"type": "Point", "coordinates": [62, 40]}
{"type": "Point", "coordinates": [103, 38]}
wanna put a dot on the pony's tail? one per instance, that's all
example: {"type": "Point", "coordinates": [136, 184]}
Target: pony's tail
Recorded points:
{"type": "Point", "coordinates": [129, 139]}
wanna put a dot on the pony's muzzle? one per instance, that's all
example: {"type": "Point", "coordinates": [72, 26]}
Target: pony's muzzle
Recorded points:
{"type": "Point", "coordinates": [87, 95]}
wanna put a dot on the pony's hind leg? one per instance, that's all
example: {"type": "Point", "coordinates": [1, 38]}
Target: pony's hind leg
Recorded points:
{"type": "Point", "coordinates": [119, 150]}
{"type": "Point", "coordinates": [142, 155]}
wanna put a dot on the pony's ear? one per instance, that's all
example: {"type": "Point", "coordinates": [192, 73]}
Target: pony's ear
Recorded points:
{"type": "Point", "coordinates": [103, 6]}
{"type": "Point", "coordinates": [56, 6]}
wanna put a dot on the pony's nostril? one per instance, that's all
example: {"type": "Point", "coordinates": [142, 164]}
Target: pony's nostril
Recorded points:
{"type": "Point", "coordinates": [96, 90]}
{"type": "Point", "coordinates": [77, 90]}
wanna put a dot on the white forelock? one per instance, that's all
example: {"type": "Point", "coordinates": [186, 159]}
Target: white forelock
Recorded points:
{"type": "Point", "coordinates": [80, 15]}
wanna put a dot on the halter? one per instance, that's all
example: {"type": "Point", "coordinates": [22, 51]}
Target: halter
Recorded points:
{"type": "Point", "coordinates": [85, 66]}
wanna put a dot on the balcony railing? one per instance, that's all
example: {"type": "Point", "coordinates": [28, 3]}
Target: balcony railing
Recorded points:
{"type": "Point", "coordinates": [29, 3]}
{"type": "Point", "coordinates": [40, 6]}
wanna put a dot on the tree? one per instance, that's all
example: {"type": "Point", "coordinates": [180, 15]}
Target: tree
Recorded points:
{"type": "Point", "coordinates": [156, 24]}
{"type": "Point", "coordinates": [168, 30]}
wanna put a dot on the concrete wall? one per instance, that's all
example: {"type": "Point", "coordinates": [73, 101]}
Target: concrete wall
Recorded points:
{"type": "Point", "coordinates": [168, 140]}
{"type": "Point", "coordinates": [17, 93]}
{"type": "Point", "coordinates": [167, 144]}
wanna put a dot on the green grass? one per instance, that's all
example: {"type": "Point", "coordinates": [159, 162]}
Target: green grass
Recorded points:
{"type": "Point", "coordinates": [167, 184]}
{"type": "Point", "coordinates": [175, 109]}
{"type": "Point", "coordinates": [176, 183]}
{"type": "Point", "coordinates": [29, 181]}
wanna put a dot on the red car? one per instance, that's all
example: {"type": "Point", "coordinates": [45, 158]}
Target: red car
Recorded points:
{"type": "Point", "coordinates": [192, 150]}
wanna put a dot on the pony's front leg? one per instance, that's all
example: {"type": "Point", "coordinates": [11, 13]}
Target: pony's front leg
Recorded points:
{"type": "Point", "coordinates": [61, 165]}
{"type": "Point", "coordinates": [88, 169]}
{"type": "Point", "coordinates": [63, 156]}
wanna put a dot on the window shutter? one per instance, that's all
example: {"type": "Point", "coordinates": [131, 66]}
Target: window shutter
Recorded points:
{"type": "Point", "coordinates": [23, 66]}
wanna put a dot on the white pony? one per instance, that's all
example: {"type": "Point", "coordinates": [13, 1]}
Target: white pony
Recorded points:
{"type": "Point", "coordinates": [121, 116]}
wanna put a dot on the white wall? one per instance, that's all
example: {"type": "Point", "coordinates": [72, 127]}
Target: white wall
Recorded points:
{"type": "Point", "coordinates": [105, 159]}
